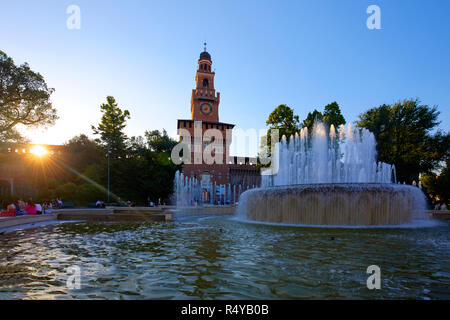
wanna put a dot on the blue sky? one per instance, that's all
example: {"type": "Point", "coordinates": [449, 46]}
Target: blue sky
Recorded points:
{"type": "Point", "coordinates": [305, 54]}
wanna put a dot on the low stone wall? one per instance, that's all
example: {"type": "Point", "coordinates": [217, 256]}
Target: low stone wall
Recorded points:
{"type": "Point", "coordinates": [8, 222]}
{"type": "Point", "coordinates": [111, 217]}
{"type": "Point", "coordinates": [140, 214]}
{"type": "Point", "coordinates": [137, 210]}
{"type": "Point", "coordinates": [203, 210]}
{"type": "Point", "coordinates": [113, 214]}
{"type": "Point", "coordinates": [440, 214]}
{"type": "Point", "coordinates": [82, 211]}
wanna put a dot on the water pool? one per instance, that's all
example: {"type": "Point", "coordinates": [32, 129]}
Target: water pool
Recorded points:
{"type": "Point", "coordinates": [221, 258]}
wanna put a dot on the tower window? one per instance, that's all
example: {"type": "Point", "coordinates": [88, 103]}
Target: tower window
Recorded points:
{"type": "Point", "coordinates": [205, 83]}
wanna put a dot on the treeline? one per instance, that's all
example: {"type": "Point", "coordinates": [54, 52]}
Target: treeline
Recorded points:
{"type": "Point", "coordinates": [139, 167]}
{"type": "Point", "coordinates": [406, 136]}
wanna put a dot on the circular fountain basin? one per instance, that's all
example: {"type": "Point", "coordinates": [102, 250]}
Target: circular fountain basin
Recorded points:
{"type": "Point", "coordinates": [366, 204]}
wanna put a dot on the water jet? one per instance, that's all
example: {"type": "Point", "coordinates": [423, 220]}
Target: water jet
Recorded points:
{"type": "Point", "coordinates": [331, 178]}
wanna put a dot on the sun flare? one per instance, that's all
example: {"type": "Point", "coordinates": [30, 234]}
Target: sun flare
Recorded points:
{"type": "Point", "coordinates": [39, 151]}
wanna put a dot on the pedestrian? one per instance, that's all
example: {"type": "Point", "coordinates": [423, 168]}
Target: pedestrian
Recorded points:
{"type": "Point", "coordinates": [30, 208]}
{"type": "Point", "coordinates": [38, 208]}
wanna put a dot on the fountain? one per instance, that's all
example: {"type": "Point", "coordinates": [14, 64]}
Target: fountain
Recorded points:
{"type": "Point", "coordinates": [188, 192]}
{"type": "Point", "coordinates": [331, 177]}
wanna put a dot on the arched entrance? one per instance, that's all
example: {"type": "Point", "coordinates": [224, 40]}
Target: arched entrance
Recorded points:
{"type": "Point", "coordinates": [205, 182]}
{"type": "Point", "coordinates": [205, 195]}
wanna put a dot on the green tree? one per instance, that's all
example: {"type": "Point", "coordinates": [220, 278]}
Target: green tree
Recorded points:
{"type": "Point", "coordinates": [83, 151]}
{"type": "Point", "coordinates": [332, 115]}
{"type": "Point", "coordinates": [111, 127]}
{"type": "Point", "coordinates": [311, 118]}
{"type": "Point", "coordinates": [443, 185]}
{"type": "Point", "coordinates": [404, 138]}
{"type": "Point", "coordinates": [437, 186]}
{"type": "Point", "coordinates": [160, 141]}
{"type": "Point", "coordinates": [24, 99]}
{"type": "Point", "coordinates": [114, 142]}
{"type": "Point", "coordinates": [429, 185]}
{"type": "Point", "coordinates": [284, 120]}
{"type": "Point", "coordinates": [136, 144]}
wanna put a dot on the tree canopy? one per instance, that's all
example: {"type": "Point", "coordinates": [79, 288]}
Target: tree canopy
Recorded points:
{"type": "Point", "coordinates": [143, 170]}
{"type": "Point", "coordinates": [284, 120]}
{"type": "Point", "coordinates": [160, 141]}
{"type": "Point", "coordinates": [332, 115]}
{"type": "Point", "coordinates": [140, 167]}
{"type": "Point", "coordinates": [111, 127]}
{"type": "Point", "coordinates": [84, 151]}
{"type": "Point", "coordinates": [403, 132]}
{"type": "Point", "coordinates": [437, 186]}
{"type": "Point", "coordinates": [311, 118]}
{"type": "Point", "coordinates": [24, 99]}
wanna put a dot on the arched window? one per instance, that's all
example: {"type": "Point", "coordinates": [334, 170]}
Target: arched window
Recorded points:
{"type": "Point", "coordinates": [205, 83]}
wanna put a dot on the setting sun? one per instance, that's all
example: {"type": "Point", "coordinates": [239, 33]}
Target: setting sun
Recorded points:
{"type": "Point", "coordinates": [39, 151]}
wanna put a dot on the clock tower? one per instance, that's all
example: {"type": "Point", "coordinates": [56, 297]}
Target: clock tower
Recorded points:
{"type": "Point", "coordinates": [205, 101]}
{"type": "Point", "coordinates": [205, 116]}
{"type": "Point", "coordinates": [197, 133]}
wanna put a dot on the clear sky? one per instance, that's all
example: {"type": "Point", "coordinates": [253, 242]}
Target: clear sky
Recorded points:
{"type": "Point", "coordinates": [305, 54]}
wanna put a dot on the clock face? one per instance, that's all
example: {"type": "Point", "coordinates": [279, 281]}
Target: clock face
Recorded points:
{"type": "Point", "coordinates": [205, 108]}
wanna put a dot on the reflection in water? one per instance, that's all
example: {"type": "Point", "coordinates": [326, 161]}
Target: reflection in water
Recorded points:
{"type": "Point", "coordinates": [219, 258]}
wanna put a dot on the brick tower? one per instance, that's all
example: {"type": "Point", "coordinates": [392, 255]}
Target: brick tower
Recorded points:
{"type": "Point", "coordinates": [204, 101]}
{"type": "Point", "coordinates": [205, 116]}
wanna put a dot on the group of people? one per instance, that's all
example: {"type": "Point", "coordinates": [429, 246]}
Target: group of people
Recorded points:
{"type": "Point", "coordinates": [20, 207]}
{"type": "Point", "coordinates": [440, 206]}
{"type": "Point", "coordinates": [131, 203]}
{"type": "Point", "coordinates": [150, 203]}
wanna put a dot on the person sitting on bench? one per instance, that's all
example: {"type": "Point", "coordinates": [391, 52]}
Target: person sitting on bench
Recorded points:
{"type": "Point", "coordinates": [10, 210]}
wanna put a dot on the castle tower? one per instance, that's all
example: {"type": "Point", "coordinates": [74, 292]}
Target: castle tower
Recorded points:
{"type": "Point", "coordinates": [205, 116]}
{"type": "Point", "coordinates": [204, 101]}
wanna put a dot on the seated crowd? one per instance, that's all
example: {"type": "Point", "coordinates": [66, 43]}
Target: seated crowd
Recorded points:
{"type": "Point", "coordinates": [19, 207]}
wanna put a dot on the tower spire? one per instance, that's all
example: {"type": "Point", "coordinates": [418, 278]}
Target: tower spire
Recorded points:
{"type": "Point", "coordinates": [205, 45]}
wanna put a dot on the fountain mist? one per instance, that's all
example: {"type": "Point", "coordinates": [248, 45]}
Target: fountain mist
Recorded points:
{"type": "Point", "coordinates": [326, 157]}
{"type": "Point", "coordinates": [331, 177]}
